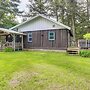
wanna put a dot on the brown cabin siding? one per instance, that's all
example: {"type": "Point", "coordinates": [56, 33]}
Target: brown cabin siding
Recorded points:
{"type": "Point", "coordinates": [40, 40]}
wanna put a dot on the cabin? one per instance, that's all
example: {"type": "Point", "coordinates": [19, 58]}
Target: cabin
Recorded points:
{"type": "Point", "coordinates": [44, 33]}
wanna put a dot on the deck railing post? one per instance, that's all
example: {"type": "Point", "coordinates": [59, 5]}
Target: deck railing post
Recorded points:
{"type": "Point", "coordinates": [86, 43]}
{"type": "Point", "coordinates": [22, 42]}
{"type": "Point", "coordinates": [78, 44]}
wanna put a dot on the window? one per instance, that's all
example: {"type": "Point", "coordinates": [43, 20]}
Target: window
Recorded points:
{"type": "Point", "coordinates": [30, 37]}
{"type": "Point", "coordinates": [51, 35]}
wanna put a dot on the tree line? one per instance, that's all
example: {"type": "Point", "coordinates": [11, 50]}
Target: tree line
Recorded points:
{"type": "Point", "coordinates": [74, 13]}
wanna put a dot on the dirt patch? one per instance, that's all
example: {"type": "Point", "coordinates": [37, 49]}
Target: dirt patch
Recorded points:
{"type": "Point", "coordinates": [54, 87]}
{"type": "Point", "coordinates": [21, 77]}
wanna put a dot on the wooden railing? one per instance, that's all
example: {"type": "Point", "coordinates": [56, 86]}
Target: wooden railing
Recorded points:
{"type": "Point", "coordinates": [18, 45]}
{"type": "Point", "coordinates": [10, 44]}
{"type": "Point", "coordinates": [84, 44]}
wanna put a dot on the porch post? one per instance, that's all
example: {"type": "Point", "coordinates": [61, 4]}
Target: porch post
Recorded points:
{"type": "Point", "coordinates": [14, 42]}
{"type": "Point", "coordinates": [68, 39]}
{"type": "Point", "coordinates": [86, 43]}
{"type": "Point", "coordinates": [22, 42]}
{"type": "Point", "coordinates": [78, 43]}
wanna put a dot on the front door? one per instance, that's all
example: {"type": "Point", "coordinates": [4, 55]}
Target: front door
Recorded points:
{"type": "Point", "coordinates": [42, 38]}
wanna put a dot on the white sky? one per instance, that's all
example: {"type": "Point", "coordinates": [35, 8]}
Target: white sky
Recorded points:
{"type": "Point", "coordinates": [23, 5]}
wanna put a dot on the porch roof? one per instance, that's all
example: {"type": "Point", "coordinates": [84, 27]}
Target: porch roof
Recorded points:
{"type": "Point", "coordinates": [8, 31]}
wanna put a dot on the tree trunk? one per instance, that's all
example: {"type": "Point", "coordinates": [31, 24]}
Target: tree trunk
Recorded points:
{"type": "Point", "coordinates": [73, 30]}
{"type": "Point", "coordinates": [88, 9]}
{"type": "Point", "coordinates": [56, 15]}
{"type": "Point", "coordinates": [88, 15]}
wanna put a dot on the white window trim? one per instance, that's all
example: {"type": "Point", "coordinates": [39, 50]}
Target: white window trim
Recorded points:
{"type": "Point", "coordinates": [49, 35]}
{"type": "Point", "coordinates": [30, 33]}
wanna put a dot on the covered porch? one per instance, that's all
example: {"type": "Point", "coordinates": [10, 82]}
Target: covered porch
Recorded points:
{"type": "Point", "coordinates": [10, 38]}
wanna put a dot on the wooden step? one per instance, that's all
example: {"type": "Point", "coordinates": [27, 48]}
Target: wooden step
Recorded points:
{"type": "Point", "coordinates": [72, 50]}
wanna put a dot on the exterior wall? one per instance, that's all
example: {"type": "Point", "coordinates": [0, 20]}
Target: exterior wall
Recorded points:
{"type": "Point", "coordinates": [37, 24]}
{"type": "Point", "coordinates": [40, 40]}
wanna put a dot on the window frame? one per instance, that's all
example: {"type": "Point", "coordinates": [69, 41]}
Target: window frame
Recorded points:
{"type": "Point", "coordinates": [29, 37]}
{"type": "Point", "coordinates": [51, 35]}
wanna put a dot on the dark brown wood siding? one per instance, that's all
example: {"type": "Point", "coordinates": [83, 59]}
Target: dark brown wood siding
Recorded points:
{"type": "Point", "coordinates": [40, 40]}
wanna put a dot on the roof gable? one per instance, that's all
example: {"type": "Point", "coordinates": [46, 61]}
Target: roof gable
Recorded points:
{"type": "Point", "coordinates": [41, 16]}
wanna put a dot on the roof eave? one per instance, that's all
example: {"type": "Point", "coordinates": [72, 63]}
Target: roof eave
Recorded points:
{"type": "Point", "coordinates": [10, 31]}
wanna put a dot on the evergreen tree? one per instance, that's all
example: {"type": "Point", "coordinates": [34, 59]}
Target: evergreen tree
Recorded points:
{"type": "Point", "coordinates": [37, 7]}
{"type": "Point", "coordinates": [72, 10]}
{"type": "Point", "coordinates": [8, 11]}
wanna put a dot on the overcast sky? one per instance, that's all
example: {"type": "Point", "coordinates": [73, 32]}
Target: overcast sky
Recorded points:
{"type": "Point", "coordinates": [23, 5]}
{"type": "Point", "coordinates": [25, 2]}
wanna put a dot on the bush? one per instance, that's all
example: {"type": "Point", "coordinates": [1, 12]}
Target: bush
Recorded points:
{"type": "Point", "coordinates": [8, 49]}
{"type": "Point", "coordinates": [87, 36]}
{"type": "Point", "coordinates": [84, 53]}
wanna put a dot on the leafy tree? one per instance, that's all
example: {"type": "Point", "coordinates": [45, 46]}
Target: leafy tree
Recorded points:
{"type": "Point", "coordinates": [87, 36]}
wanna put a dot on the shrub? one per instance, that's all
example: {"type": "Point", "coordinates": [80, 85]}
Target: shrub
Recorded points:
{"type": "Point", "coordinates": [87, 36]}
{"type": "Point", "coordinates": [84, 53]}
{"type": "Point", "coordinates": [8, 49]}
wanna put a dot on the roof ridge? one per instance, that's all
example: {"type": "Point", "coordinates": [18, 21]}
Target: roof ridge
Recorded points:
{"type": "Point", "coordinates": [43, 17]}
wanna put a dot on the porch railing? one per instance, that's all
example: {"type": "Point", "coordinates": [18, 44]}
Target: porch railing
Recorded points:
{"type": "Point", "coordinates": [84, 44]}
{"type": "Point", "coordinates": [18, 45]}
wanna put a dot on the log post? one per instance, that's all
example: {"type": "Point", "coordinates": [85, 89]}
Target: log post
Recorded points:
{"type": "Point", "coordinates": [22, 42]}
{"type": "Point", "coordinates": [14, 42]}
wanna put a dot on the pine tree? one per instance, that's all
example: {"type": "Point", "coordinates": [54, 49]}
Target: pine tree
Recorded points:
{"type": "Point", "coordinates": [8, 11]}
{"type": "Point", "coordinates": [71, 10]}
{"type": "Point", "coordinates": [37, 7]}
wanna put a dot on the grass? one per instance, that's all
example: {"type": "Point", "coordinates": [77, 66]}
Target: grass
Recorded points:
{"type": "Point", "coordinates": [38, 70]}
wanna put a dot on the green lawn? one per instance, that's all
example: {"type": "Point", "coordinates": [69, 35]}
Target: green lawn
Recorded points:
{"type": "Point", "coordinates": [38, 70]}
